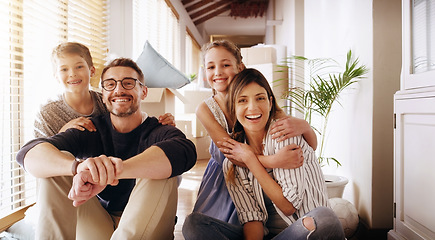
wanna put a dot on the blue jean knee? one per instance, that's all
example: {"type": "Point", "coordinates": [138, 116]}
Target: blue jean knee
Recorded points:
{"type": "Point", "coordinates": [198, 226]}
{"type": "Point", "coordinates": [327, 226]}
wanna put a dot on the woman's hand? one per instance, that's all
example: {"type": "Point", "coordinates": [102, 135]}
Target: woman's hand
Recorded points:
{"type": "Point", "coordinates": [167, 119]}
{"type": "Point", "coordinates": [237, 152]}
{"type": "Point", "coordinates": [80, 123]}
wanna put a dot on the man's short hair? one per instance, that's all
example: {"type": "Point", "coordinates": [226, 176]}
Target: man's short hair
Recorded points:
{"type": "Point", "coordinates": [125, 62]}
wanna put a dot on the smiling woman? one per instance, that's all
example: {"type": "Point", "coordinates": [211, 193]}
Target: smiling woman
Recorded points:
{"type": "Point", "coordinates": [275, 203]}
{"type": "Point", "coordinates": [285, 198]}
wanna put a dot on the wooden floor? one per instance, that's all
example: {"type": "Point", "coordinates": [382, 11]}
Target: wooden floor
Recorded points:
{"type": "Point", "coordinates": [187, 192]}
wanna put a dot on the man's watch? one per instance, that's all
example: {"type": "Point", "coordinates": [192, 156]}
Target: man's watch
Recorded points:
{"type": "Point", "coordinates": [74, 166]}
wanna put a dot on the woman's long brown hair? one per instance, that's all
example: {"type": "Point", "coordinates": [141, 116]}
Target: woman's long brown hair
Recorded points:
{"type": "Point", "coordinates": [240, 81]}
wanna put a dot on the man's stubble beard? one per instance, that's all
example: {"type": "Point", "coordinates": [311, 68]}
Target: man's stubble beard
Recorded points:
{"type": "Point", "coordinates": [127, 113]}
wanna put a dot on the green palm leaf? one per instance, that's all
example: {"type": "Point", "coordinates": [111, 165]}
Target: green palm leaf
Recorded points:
{"type": "Point", "coordinates": [322, 89]}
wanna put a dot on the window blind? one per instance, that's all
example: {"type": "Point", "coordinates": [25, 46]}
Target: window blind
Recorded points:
{"type": "Point", "coordinates": [29, 30]}
{"type": "Point", "coordinates": [192, 58]}
{"type": "Point", "coordinates": [423, 35]}
{"type": "Point", "coordinates": [12, 179]}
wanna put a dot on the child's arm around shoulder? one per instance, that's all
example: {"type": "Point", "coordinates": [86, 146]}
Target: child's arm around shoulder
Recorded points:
{"type": "Point", "coordinates": [217, 133]}
{"type": "Point", "coordinates": [285, 154]}
{"type": "Point", "coordinates": [214, 129]}
{"type": "Point", "coordinates": [288, 126]}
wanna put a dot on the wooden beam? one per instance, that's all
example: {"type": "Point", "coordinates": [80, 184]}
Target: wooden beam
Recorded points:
{"type": "Point", "coordinates": [185, 2]}
{"type": "Point", "coordinates": [209, 8]}
{"type": "Point", "coordinates": [198, 5]}
{"type": "Point", "coordinates": [212, 14]}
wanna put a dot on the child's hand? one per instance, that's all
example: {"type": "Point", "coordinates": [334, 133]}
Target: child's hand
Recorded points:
{"type": "Point", "coordinates": [167, 119]}
{"type": "Point", "coordinates": [237, 151]}
{"type": "Point", "coordinates": [80, 123]}
{"type": "Point", "coordinates": [289, 157]}
{"type": "Point", "coordinates": [288, 127]}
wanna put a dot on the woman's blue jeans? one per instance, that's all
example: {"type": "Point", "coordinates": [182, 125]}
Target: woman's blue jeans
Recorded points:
{"type": "Point", "coordinates": [200, 226]}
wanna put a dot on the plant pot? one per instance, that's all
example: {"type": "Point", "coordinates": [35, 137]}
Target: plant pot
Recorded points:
{"type": "Point", "coordinates": [335, 185]}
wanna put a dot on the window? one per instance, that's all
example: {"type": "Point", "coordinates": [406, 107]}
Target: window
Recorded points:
{"type": "Point", "coordinates": [193, 52]}
{"type": "Point", "coordinates": [154, 21]}
{"type": "Point", "coordinates": [423, 35]}
{"type": "Point", "coordinates": [29, 30]}
{"type": "Point", "coordinates": [418, 32]}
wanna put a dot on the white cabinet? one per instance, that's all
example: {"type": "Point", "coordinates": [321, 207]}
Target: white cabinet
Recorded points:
{"type": "Point", "coordinates": [414, 135]}
{"type": "Point", "coordinates": [414, 169]}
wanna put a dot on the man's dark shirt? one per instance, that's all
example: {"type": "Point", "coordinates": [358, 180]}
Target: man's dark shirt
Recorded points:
{"type": "Point", "coordinates": [106, 140]}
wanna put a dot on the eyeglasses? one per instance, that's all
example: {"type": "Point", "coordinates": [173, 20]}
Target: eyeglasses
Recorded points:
{"type": "Point", "coordinates": [127, 83]}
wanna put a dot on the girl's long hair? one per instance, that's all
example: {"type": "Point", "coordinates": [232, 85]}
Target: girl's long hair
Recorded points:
{"type": "Point", "coordinates": [240, 81]}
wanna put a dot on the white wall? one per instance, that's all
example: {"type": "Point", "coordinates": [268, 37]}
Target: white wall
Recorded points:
{"type": "Point", "coordinates": [361, 132]}
{"type": "Point", "coordinates": [331, 29]}
{"type": "Point", "coordinates": [291, 31]}
{"type": "Point", "coordinates": [120, 28]}
{"type": "Point", "coordinates": [327, 32]}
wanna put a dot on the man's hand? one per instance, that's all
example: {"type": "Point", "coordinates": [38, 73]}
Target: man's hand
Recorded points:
{"type": "Point", "coordinates": [167, 119]}
{"type": "Point", "coordinates": [104, 170]}
{"type": "Point", "coordinates": [83, 188]}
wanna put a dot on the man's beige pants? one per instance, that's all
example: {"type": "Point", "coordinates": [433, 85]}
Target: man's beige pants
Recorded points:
{"type": "Point", "coordinates": [149, 214]}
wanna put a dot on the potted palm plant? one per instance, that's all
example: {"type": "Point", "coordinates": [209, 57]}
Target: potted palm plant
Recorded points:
{"type": "Point", "coordinates": [316, 90]}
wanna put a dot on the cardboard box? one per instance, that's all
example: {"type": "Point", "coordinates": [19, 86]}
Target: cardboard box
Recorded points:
{"type": "Point", "coordinates": [258, 55]}
{"type": "Point", "coordinates": [194, 98]}
{"type": "Point", "coordinates": [160, 101]}
{"type": "Point", "coordinates": [199, 136]}
{"type": "Point", "coordinates": [187, 121]}
{"type": "Point", "coordinates": [190, 125]}
{"type": "Point", "coordinates": [185, 126]}
{"type": "Point", "coordinates": [202, 145]}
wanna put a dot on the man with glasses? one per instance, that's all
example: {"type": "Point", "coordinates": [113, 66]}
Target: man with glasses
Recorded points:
{"type": "Point", "coordinates": [129, 163]}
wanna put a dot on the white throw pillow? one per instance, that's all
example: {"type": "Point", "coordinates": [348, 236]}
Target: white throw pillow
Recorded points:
{"type": "Point", "coordinates": [158, 72]}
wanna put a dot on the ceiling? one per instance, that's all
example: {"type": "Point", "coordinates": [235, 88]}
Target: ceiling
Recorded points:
{"type": "Point", "coordinates": [241, 21]}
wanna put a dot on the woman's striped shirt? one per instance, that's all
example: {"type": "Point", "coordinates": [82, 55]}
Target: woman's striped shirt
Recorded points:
{"type": "Point", "coordinates": [304, 187]}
